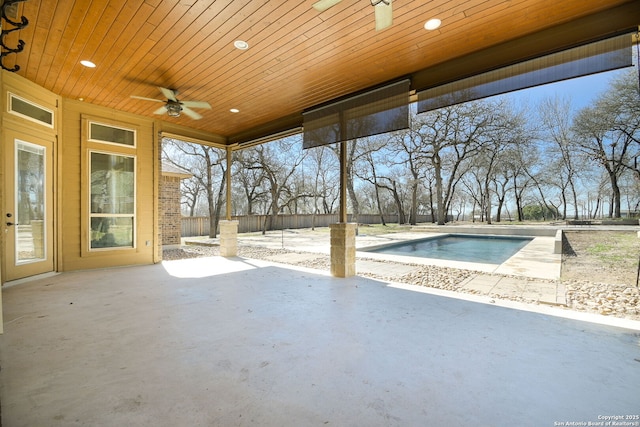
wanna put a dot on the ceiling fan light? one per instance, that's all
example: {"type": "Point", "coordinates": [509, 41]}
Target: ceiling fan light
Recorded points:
{"type": "Point", "coordinates": [432, 24]}
{"type": "Point", "coordinates": [173, 110]}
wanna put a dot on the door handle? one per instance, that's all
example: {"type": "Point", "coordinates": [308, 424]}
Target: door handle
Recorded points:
{"type": "Point", "coordinates": [10, 223]}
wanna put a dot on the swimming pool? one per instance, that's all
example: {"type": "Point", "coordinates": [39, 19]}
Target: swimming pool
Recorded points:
{"type": "Point", "coordinates": [460, 247]}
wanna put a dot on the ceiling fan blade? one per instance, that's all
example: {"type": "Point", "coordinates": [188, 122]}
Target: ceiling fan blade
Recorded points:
{"type": "Point", "coordinates": [384, 15]}
{"type": "Point", "coordinates": [147, 99]}
{"type": "Point", "coordinates": [196, 104]}
{"type": "Point", "coordinates": [323, 5]}
{"type": "Point", "coordinates": [161, 110]}
{"type": "Point", "coordinates": [189, 112]}
{"type": "Point", "coordinates": [170, 94]}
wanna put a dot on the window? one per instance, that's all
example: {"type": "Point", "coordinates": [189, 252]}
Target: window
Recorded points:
{"type": "Point", "coordinates": [112, 199]}
{"type": "Point", "coordinates": [30, 208]}
{"type": "Point", "coordinates": [30, 111]}
{"type": "Point", "coordinates": [111, 134]}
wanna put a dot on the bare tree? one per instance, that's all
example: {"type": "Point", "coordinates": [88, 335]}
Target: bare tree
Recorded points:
{"type": "Point", "coordinates": [624, 100]}
{"type": "Point", "coordinates": [472, 185]}
{"type": "Point", "coordinates": [278, 161]}
{"type": "Point", "coordinates": [506, 128]}
{"type": "Point", "coordinates": [191, 190]}
{"type": "Point", "coordinates": [541, 181]}
{"type": "Point", "coordinates": [208, 167]}
{"type": "Point", "coordinates": [555, 116]}
{"type": "Point", "coordinates": [408, 148]}
{"type": "Point", "coordinates": [604, 147]}
{"type": "Point", "coordinates": [608, 133]}
{"type": "Point", "coordinates": [327, 181]}
{"type": "Point", "coordinates": [394, 185]}
{"type": "Point", "coordinates": [368, 172]}
{"type": "Point", "coordinates": [249, 179]}
{"type": "Point", "coordinates": [515, 165]}
{"type": "Point", "coordinates": [352, 158]}
{"type": "Point", "coordinates": [452, 135]}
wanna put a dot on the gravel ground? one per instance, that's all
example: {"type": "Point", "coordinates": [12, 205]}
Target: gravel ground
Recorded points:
{"type": "Point", "coordinates": [609, 299]}
{"type": "Point", "coordinates": [609, 259]}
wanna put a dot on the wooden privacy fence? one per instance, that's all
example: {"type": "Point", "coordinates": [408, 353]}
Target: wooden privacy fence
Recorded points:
{"type": "Point", "coordinates": [199, 225]}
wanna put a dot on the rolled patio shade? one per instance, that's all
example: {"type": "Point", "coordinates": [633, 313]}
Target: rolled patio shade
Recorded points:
{"type": "Point", "coordinates": [604, 55]}
{"type": "Point", "coordinates": [378, 111]}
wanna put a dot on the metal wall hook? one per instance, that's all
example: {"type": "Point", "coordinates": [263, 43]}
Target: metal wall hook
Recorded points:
{"type": "Point", "coordinates": [9, 50]}
{"type": "Point", "coordinates": [5, 49]}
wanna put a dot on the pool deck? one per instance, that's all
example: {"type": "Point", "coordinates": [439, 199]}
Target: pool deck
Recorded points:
{"type": "Point", "coordinates": [517, 275]}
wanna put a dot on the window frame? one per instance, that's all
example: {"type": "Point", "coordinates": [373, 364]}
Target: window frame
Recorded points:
{"type": "Point", "coordinates": [11, 96]}
{"type": "Point", "coordinates": [110, 125]}
{"type": "Point", "coordinates": [91, 215]}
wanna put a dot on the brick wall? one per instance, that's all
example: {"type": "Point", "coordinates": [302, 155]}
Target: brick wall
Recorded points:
{"type": "Point", "coordinates": [170, 216]}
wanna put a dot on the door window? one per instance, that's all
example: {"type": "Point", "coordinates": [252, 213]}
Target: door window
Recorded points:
{"type": "Point", "coordinates": [30, 175]}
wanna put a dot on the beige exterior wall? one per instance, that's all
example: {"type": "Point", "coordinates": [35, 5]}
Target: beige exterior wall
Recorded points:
{"type": "Point", "coordinates": [71, 177]}
{"type": "Point", "coordinates": [75, 253]}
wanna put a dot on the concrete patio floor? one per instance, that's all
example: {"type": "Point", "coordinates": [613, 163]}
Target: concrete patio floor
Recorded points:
{"type": "Point", "coordinates": [226, 342]}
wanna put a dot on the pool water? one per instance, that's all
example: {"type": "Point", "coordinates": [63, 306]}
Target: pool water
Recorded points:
{"type": "Point", "coordinates": [460, 247]}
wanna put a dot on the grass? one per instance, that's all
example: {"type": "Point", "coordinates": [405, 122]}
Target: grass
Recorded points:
{"type": "Point", "coordinates": [599, 248]}
{"type": "Point", "coordinates": [621, 248]}
{"type": "Point", "coordinates": [378, 229]}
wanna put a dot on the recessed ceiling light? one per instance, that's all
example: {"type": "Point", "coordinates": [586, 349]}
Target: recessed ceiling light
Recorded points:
{"type": "Point", "coordinates": [88, 64]}
{"type": "Point", "coordinates": [432, 24]}
{"type": "Point", "coordinates": [241, 44]}
{"type": "Point", "coordinates": [234, 110]}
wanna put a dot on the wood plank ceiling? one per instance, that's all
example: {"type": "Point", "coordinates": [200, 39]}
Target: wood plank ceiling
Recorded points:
{"type": "Point", "coordinates": [297, 57]}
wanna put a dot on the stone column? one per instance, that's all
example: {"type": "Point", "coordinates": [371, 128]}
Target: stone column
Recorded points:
{"type": "Point", "coordinates": [228, 238]}
{"type": "Point", "coordinates": [343, 249]}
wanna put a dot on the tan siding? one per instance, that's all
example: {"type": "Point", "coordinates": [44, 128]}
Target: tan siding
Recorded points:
{"type": "Point", "coordinates": [69, 190]}
{"type": "Point", "coordinates": [74, 245]}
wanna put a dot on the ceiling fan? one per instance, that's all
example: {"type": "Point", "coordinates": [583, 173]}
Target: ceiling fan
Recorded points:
{"type": "Point", "coordinates": [383, 11]}
{"type": "Point", "coordinates": [173, 107]}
